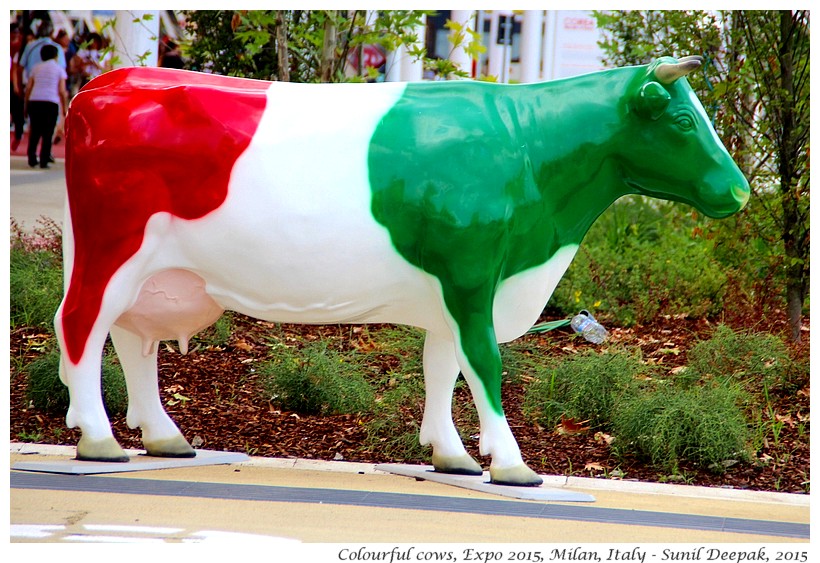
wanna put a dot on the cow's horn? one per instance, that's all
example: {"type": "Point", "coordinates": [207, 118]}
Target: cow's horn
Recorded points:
{"type": "Point", "coordinates": [667, 73]}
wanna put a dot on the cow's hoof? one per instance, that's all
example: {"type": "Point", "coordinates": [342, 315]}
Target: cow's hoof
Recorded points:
{"type": "Point", "coordinates": [106, 449]}
{"type": "Point", "coordinates": [518, 476]}
{"type": "Point", "coordinates": [457, 465]}
{"type": "Point", "coordinates": [171, 447]}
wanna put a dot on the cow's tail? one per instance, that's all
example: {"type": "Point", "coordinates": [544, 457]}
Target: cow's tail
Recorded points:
{"type": "Point", "coordinates": [70, 180]}
{"type": "Point", "coordinates": [74, 184]}
{"type": "Point", "coordinates": [67, 245]}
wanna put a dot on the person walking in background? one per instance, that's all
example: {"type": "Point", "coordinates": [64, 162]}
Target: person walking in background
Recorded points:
{"type": "Point", "coordinates": [64, 40]}
{"type": "Point", "coordinates": [89, 62]}
{"type": "Point", "coordinates": [74, 77]}
{"type": "Point", "coordinates": [30, 57]}
{"type": "Point", "coordinates": [169, 55]}
{"type": "Point", "coordinates": [16, 87]}
{"type": "Point", "coordinates": [45, 94]}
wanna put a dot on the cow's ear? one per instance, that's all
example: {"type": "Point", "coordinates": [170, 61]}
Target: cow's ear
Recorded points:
{"type": "Point", "coordinates": [652, 100]}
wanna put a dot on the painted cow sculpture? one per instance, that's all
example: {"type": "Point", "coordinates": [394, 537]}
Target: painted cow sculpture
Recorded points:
{"type": "Point", "coordinates": [455, 207]}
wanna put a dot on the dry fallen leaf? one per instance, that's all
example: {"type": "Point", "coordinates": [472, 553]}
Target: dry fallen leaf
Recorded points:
{"type": "Point", "coordinates": [785, 419]}
{"type": "Point", "coordinates": [570, 426]}
{"type": "Point", "coordinates": [594, 467]}
{"type": "Point", "coordinates": [603, 437]}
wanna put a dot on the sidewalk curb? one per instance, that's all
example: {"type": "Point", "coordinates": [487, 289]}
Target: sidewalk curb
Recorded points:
{"type": "Point", "coordinates": [605, 485]}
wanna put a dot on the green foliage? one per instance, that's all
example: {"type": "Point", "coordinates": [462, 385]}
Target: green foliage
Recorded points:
{"type": "Point", "coordinates": [585, 387]}
{"type": "Point", "coordinates": [219, 333]}
{"type": "Point", "coordinates": [758, 362]}
{"type": "Point", "coordinates": [519, 359]}
{"type": "Point", "coordinates": [35, 274]}
{"type": "Point", "coordinates": [701, 424]}
{"type": "Point", "coordinates": [294, 45]}
{"type": "Point", "coordinates": [752, 359]}
{"type": "Point", "coordinates": [35, 287]}
{"type": "Point", "coordinates": [750, 248]}
{"type": "Point", "coordinates": [396, 421]}
{"type": "Point", "coordinates": [399, 348]}
{"type": "Point", "coordinates": [222, 330]}
{"type": "Point", "coordinates": [399, 407]}
{"type": "Point", "coordinates": [640, 36]}
{"type": "Point", "coordinates": [45, 390]}
{"type": "Point", "coordinates": [30, 436]}
{"type": "Point", "coordinates": [461, 37]}
{"type": "Point", "coordinates": [115, 391]}
{"type": "Point", "coordinates": [216, 48]}
{"type": "Point", "coordinates": [48, 393]}
{"type": "Point", "coordinates": [712, 412]}
{"type": "Point", "coordinates": [35, 291]}
{"type": "Point", "coordinates": [315, 380]}
{"type": "Point", "coordinates": [641, 259]}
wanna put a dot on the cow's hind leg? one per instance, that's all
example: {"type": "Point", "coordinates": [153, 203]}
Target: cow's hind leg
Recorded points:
{"type": "Point", "coordinates": [160, 435]}
{"type": "Point", "coordinates": [86, 409]}
{"type": "Point", "coordinates": [440, 374]}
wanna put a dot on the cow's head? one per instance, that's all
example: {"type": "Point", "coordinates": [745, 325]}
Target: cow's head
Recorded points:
{"type": "Point", "coordinates": [670, 149]}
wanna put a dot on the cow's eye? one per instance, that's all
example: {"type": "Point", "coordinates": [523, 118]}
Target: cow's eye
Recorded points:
{"type": "Point", "coordinates": [685, 122]}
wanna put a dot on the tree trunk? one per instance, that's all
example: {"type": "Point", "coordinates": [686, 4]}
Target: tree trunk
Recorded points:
{"type": "Point", "coordinates": [795, 296]}
{"type": "Point", "coordinates": [789, 189]}
{"type": "Point", "coordinates": [328, 48]}
{"type": "Point", "coordinates": [282, 48]}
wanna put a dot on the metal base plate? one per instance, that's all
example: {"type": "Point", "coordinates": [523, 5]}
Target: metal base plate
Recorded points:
{"type": "Point", "coordinates": [138, 461]}
{"type": "Point", "coordinates": [482, 483]}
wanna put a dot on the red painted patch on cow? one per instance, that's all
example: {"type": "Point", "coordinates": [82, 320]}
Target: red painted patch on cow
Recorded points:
{"type": "Point", "coordinates": [142, 141]}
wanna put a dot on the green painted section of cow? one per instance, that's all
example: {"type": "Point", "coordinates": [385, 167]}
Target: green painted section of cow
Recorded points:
{"type": "Point", "coordinates": [478, 182]}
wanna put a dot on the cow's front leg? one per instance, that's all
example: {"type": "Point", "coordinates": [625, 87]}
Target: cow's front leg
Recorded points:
{"type": "Point", "coordinates": [86, 409]}
{"type": "Point", "coordinates": [478, 355]}
{"type": "Point", "coordinates": [160, 436]}
{"type": "Point", "coordinates": [437, 428]}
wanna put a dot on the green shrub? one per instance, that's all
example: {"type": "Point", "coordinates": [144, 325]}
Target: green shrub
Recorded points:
{"type": "Point", "coordinates": [45, 389]}
{"type": "Point", "coordinates": [115, 391]}
{"type": "Point", "coordinates": [640, 260]}
{"type": "Point", "coordinates": [48, 393]}
{"type": "Point", "coordinates": [394, 427]}
{"type": "Point", "coordinates": [315, 380]}
{"type": "Point", "coordinates": [702, 424]}
{"type": "Point", "coordinates": [583, 387]}
{"type": "Point", "coordinates": [752, 359]}
{"type": "Point", "coordinates": [520, 359]}
{"type": "Point", "coordinates": [35, 287]}
{"type": "Point", "coordinates": [219, 333]}
{"type": "Point", "coordinates": [398, 349]}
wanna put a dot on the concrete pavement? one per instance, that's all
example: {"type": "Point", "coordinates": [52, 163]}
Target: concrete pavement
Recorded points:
{"type": "Point", "coordinates": [35, 193]}
{"type": "Point", "coordinates": [302, 501]}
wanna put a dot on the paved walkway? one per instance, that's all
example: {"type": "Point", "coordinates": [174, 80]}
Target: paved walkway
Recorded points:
{"type": "Point", "coordinates": [306, 501]}
{"type": "Point", "coordinates": [35, 193]}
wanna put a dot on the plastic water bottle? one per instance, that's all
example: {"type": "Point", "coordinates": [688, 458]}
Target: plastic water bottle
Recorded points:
{"type": "Point", "coordinates": [589, 328]}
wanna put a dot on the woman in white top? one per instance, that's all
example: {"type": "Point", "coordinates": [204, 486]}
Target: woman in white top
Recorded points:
{"type": "Point", "coordinates": [45, 94]}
